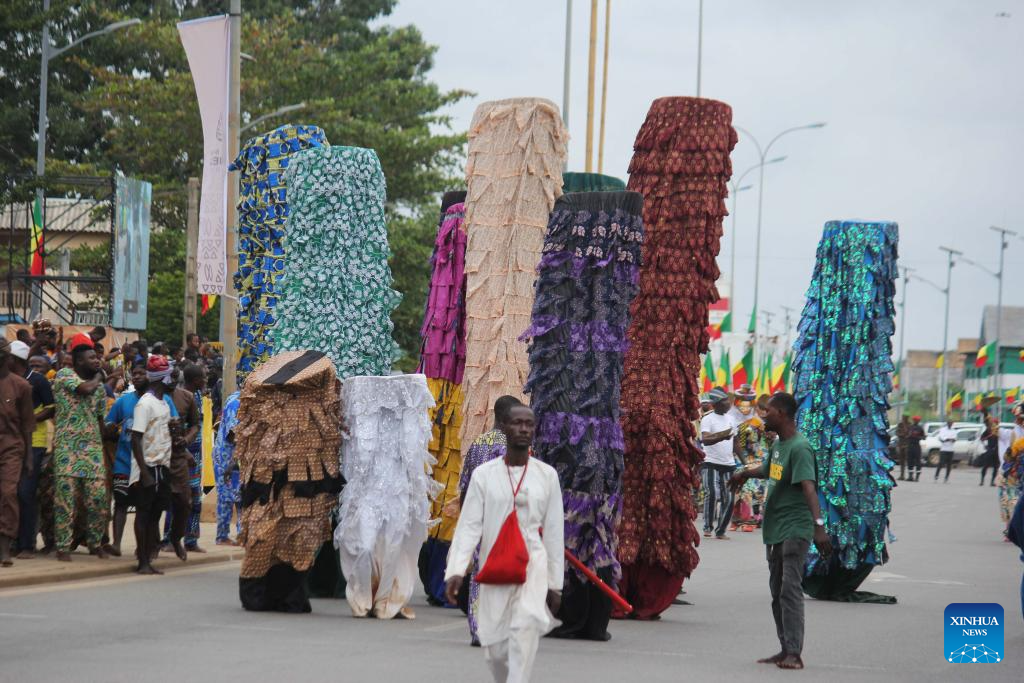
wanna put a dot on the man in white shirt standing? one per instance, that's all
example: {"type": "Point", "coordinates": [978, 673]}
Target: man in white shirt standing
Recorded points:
{"type": "Point", "coordinates": [512, 616]}
{"type": "Point", "coordinates": [947, 439]}
{"type": "Point", "coordinates": [149, 482]}
{"type": "Point", "coordinates": [717, 430]}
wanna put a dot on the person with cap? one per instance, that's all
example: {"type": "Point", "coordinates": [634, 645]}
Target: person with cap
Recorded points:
{"type": "Point", "coordinates": [717, 432]}
{"type": "Point", "coordinates": [182, 520]}
{"type": "Point", "coordinates": [78, 464]}
{"type": "Point", "coordinates": [28, 489]}
{"type": "Point", "coordinates": [152, 421]}
{"type": "Point", "coordinates": [17, 421]}
{"type": "Point", "coordinates": [914, 449]}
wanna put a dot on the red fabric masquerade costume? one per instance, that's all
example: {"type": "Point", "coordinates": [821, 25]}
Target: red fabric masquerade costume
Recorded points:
{"type": "Point", "coordinates": [681, 165]}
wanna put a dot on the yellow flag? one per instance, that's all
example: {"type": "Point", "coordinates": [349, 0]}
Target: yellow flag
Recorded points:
{"type": "Point", "coordinates": [209, 478]}
{"type": "Point", "coordinates": [940, 361]}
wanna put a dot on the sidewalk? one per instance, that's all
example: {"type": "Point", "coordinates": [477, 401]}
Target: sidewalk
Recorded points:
{"type": "Point", "coordinates": [46, 569]}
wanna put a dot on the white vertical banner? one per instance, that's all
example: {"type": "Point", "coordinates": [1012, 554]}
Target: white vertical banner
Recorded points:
{"type": "Point", "coordinates": [207, 44]}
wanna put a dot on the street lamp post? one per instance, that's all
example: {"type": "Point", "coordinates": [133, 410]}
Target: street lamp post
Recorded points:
{"type": "Point", "coordinates": [277, 112]}
{"type": "Point", "coordinates": [950, 252]}
{"type": "Point", "coordinates": [46, 53]}
{"type": "Point", "coordinates": [1003, 244]}
{"type": "Point", "coordinates": [763, 154]}
{"type": "Point", "coordinates": [908, 273]}
{"type": "Point", "coordinates": [903, 334]}
{"type": "Point", "coordinates": [737, 186]}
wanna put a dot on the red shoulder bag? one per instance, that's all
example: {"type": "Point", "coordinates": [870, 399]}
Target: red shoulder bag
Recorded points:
{"type": "Point", "coordinates": [506, 563]}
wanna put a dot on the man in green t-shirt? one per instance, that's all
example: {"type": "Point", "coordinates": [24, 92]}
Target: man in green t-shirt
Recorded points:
{"type": "Point", "coordinates": [792, 518]}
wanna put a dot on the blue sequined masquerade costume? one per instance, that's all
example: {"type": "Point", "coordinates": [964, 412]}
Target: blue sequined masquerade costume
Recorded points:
{"type": "Point", "coordinates": [228, 498]}
{"type": "Point", "coordinates": [843, 376]}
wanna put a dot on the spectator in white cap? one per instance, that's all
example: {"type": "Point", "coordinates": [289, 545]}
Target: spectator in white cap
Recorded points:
{"type": "Point", "coordinates": [16, 425]}
{"type": "Point", "coordinates": [717, 430]}
{"type": "Point", "coordinates": [28, 487]}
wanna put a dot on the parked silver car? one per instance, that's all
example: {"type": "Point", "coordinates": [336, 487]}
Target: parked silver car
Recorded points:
{"type": "Point", "coordinates": [967, 438]}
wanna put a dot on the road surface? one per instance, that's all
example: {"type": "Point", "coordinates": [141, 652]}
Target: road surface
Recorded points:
{"type": "Point", "coordinates": [188, 625]}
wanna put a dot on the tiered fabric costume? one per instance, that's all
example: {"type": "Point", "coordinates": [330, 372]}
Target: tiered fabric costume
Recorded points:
{"type": "Point", "coordinates": [681, 167]}
{"type": "Point", "coordinates": [843, 377]}
{"type": "Point", "coordinates": [286, 442]}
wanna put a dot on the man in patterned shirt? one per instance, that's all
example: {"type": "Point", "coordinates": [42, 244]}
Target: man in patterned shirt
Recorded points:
{"type": "Point", "coordinates": [78, 448]}
{"type": "Point", "coordinates": [486, 447]}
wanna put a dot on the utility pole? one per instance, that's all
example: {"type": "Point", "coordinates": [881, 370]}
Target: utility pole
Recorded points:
{"type": "Point", "coordinates": [903, 332]}
{"type": "Point", "coordinates": [567, 67]}
{"type": "Point", "coordinates": [191, 268]}
{"type": "Point", "coordinates": [589, 163]}
{"type": "Point", "coordinates": [943, 388]}
{"type": "Point", "coordinates": [229, 303]}
{"type": "Point", "coordinates": [997, 368]}
{"type": "Point", "coordinates": [789, 326]}
{"type": "Point", "coordinates": [604, 84]}
{"type": "Point", "coordinates": [700, 40]}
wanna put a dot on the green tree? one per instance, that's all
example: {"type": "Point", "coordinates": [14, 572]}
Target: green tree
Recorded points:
{"type": "Point", "coordinates": [128, 103]}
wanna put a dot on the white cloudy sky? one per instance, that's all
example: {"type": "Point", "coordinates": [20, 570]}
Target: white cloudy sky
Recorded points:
{"type": "Point", "coordinates": [923, 99]}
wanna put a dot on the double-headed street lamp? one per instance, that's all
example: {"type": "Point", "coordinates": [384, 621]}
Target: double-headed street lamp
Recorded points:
{"type": "Point", "coordinates": [46, 53]}
{"type": "Point", "coordinates": [763, 155]}
{"type": "Point", "coordinates": [998, 275]}
{"type": "Point", "coordinates": [736, 187]}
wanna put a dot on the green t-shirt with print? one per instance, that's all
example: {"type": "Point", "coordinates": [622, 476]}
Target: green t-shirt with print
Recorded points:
{"type": "Point", "coordinates": [786, 514]}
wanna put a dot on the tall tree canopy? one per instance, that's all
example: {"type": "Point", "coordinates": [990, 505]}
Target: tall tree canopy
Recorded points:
{"type": "Point", "coordinates": [126, 101]}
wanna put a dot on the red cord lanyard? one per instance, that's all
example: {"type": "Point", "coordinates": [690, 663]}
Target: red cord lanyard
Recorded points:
{"type": "Point", "coordinates": [515, 489]}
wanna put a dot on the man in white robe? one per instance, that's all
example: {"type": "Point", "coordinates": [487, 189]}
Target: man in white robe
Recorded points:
{"type": "Point", "coordinates": [513, 617]}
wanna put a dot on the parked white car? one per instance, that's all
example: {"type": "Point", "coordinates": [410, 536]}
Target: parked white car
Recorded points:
{"type": "Point", "coordinates": [963, 450]}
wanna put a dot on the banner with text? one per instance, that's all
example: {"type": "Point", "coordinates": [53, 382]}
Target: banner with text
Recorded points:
{"type": "Point", "coordinates": [207, 44]}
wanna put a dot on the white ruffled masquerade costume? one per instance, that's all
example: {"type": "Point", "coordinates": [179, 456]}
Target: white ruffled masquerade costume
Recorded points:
{"type": "Point", "coordinates": [385, 506]}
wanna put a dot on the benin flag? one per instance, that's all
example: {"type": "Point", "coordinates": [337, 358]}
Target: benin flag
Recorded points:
{"type": "Point", "coordinates": [722, 375]}
{"type": "Point", "coordinates": [956, 401]}
{"type": "Point", "coordinates": [940, 361]}
{"type": "Point", "coordinates": [208, 301]}
{"type": "Point", "coordinates": [743, 372]}
{"type": "Point", "coordinates": [1020, 355]}
{"type": "Point", "coordinates": [977, 401]}
{"type": "Point", "coordinates": [1011, 395]}
{"type": "Point", "coordinates": [896, 376]}
{"type": "Point", "coordinates": [984, 353]}
{"type": "Point", "coordinates": [752, 325]}
{"type": "Point", "coordinates": [38, 266]}
{"type": "Point", "coordinates": [707, 374]}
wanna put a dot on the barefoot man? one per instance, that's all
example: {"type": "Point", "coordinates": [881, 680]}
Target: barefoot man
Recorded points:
{"type": "Point", "coordinates": [792, 518]}
{"type": "Point", "coordinates": [512, 617]}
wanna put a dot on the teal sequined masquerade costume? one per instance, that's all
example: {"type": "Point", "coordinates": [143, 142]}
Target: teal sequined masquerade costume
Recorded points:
{"type": "Point", "coordinates": [843, 377]}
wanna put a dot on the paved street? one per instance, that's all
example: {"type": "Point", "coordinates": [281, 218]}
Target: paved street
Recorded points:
{"type": "Point", "coordinates": [189, 623]}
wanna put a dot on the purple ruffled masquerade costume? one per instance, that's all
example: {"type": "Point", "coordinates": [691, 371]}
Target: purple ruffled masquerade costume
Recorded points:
{"type": "Point", "coordinates": [587, 279]}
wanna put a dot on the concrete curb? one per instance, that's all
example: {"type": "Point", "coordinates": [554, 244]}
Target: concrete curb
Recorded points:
{"type": "Point", "coordinates": [93, 568]}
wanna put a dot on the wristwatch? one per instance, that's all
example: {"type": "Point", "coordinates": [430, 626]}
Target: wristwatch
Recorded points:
{"type": "Point", "coordinates": [820, 521]}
